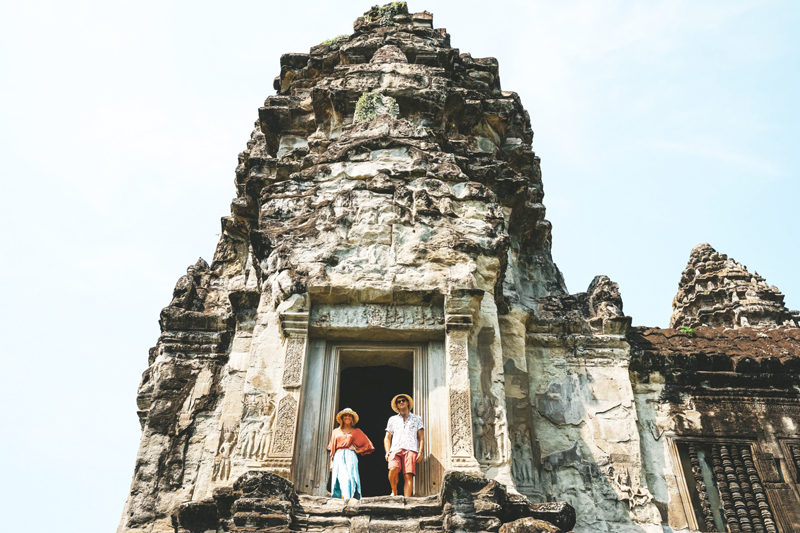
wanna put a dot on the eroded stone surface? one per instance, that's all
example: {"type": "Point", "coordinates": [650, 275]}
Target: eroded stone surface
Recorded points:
{"type": "Point", "coordinates": [260, 502]}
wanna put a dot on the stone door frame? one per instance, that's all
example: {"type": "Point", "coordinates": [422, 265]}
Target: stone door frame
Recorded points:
{"type": "Point", "coordinates": [310, 473]}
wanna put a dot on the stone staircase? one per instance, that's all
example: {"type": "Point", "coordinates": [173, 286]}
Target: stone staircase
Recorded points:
{"type": "Point", "coordinates": [375, 515]}
{"type": "Point", "coordinates": [262, 502]}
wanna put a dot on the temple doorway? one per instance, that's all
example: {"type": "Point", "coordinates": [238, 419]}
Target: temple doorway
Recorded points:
{"type": "Point", "coordinates": [365, 377]}
{"type": "Point", "coordinates": [369, 390]}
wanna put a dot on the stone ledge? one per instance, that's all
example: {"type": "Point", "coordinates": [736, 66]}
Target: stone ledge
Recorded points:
{"type": "Point", "coordinates": [261, 501]}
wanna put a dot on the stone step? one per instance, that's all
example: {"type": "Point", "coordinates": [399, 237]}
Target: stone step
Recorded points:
{"type": "Point", "coordinates": [377, 506]}
{"type": "Point", "coordinates": [367, 524]}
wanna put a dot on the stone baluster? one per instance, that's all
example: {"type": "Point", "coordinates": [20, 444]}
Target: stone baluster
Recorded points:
{"type": "Point", "coordinates": [759, 496]}
{"type": "Point", "coordinates": [739, 500]}
{"type": "Point", "coordinates": [281, 450]}
{"type": "Point", "coordinates": [700, 486]}
{"type": "Point", "coordinates": [724, 490]}
{"type": "Point", "coordinates": [733, 487]}
{"type": "Point", "coordinates": [458, 322]}
{"type": "Point", "coordinates": [747, 489]}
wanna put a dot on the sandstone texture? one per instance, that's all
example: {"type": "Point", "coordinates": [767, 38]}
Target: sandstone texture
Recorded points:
{"type": "Point", "coordinates": [260, 502]}
{"type": "Point", "coordinates": [388, 217]}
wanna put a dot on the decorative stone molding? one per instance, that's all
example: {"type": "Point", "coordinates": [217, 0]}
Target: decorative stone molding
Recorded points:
{"type": "Point", "coordinates": [293, 362]}
{"type": "Point", "coordinates": [283, 441]}
{"type": "Point", "coordinates": [377, 315]}
{"type": "Point", "coordinates": [460, 423]}
{"type": "Point", "coordinates": [294, 325]}
{"type": "Point", "coordinates": [458, 322]}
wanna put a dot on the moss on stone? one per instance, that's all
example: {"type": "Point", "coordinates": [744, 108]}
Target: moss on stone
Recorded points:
{"type": "Point", "coordinates": [372, 104]}
{"type": "Point", "coordinates": [333, 40]}
{"type": "Point", "coordinates": [386, 12]}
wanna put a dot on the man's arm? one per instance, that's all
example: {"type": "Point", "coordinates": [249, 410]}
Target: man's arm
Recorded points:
{"type": "Point", "coordinates": [387, 444]}
{"type": "Point", "coordinates": [421, 439]}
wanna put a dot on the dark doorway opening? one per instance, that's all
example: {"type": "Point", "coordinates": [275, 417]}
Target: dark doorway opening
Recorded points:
{"type": "Point", "coordinates": [369, 390]}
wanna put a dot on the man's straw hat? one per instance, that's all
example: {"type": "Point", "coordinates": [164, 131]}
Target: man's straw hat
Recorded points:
{"type": "Point", "coordinates": [347, 411]}
{"type": "Point", "coordinates": [407, 397]}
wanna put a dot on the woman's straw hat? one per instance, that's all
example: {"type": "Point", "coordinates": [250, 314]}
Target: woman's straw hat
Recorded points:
{"type": "Point", "coordinates": [407, 397]}
{"type": "Point", "coordinates": [347, 411]}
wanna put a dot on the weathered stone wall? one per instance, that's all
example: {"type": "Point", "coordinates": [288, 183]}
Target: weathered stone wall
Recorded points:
{"type": "Point", "coordinates": [587, 446]}
{"type": "Point", "coordinates": [720, 388]}
{"type": "Point", "coordinates": [390, 169]}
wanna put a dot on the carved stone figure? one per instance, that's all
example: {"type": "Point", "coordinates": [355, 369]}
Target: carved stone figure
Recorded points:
{"type": "Point", "coordinates": [256, 427]}
{"type": "Point", "coordinates": [222, 461]}
{"type": "Point", "coordinates": [522, 464]}
{"type": "Point", "coordinates": [485, 437]}
{"type": "Point", "coordinates": [501, 432]}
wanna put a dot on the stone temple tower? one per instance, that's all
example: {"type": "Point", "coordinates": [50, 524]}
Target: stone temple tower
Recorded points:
{"type": "Point", "coordinates": [388, 235]}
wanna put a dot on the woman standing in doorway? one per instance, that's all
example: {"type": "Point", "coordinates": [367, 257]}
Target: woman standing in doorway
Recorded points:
{"type": "Point", "coordinates": [346, 442]}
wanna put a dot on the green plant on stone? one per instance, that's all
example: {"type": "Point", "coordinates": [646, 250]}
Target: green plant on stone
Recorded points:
{"type": "Point", "coordinates": [689, 332]}
{"type": "Point", "coordinates": [372, 104]}
{"type": "Point", "coordinates": [333, 40]}
{"type": "Point", "coordinates": [386, 12]}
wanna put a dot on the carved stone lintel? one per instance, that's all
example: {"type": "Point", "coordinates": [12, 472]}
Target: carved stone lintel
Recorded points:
{"type": "Point", "coordinates": [378, 316]}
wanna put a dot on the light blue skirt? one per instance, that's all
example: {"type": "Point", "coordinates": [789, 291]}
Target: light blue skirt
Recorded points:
{"type": "Point", "coordinates": [345, 481]}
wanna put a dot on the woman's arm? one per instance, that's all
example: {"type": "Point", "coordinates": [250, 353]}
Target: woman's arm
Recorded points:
{"type": "Point", "coordinates": [361, 443]}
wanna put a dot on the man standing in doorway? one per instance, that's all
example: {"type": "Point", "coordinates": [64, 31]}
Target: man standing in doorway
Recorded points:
{"type": "Point", "coordinates": [404, 442]}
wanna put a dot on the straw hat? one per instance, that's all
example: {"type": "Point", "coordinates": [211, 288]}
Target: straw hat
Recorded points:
{"type": "Point", "coordinates": [407, 397]}
{"type": "Point", "coordinates": [347, 411]}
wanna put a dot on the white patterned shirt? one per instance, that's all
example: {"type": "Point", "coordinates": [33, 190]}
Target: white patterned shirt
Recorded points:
{"type": "Point", "coordinates": [404, 434]}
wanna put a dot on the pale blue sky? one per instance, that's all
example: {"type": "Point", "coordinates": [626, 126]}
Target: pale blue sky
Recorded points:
{"type": "Point", "coordinates": [660, 124]}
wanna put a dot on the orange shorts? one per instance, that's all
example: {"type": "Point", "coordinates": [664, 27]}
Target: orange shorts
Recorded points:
{"type": "Point", "coordinates": [405, 460]}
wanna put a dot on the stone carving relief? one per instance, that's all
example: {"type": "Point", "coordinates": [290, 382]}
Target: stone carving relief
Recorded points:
{"type": "Point", "coordinates": [522, 456]}
{"type": "Point", "coordinates": [293, 363]}
{"type": "Point", "coordinates": [283, 436]}
{"type": "Point", "coordinates": [485, 436]}
{"type": "Point", "coordinates": [460, 422]}
{"type": "Point", "coordinates": [501, 432]}
{"type": "Point", "coordinates": [524, 447]}
{"type": "Point", "coordinates": [222, 460]}
{"type": "Point", "coordinates": [257, 420]}
{"type": "Point", "coordinates": [458, 354]}
{"type": "Point", "coordinates": [378, 315]}
{"type": "Point", "coordinates": [629, 490]}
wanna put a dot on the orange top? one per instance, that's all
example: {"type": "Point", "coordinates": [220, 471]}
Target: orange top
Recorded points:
{"type": "Point", "coordinates": [356, 438]}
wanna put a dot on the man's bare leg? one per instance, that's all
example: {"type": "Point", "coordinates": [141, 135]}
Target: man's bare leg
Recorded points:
{"type": "Point", "coordinates": [394, 476]}
{"type": "Point", "coordinates": [408, 486]}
